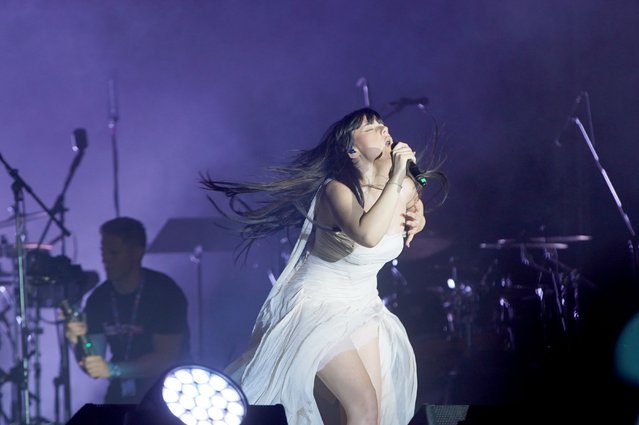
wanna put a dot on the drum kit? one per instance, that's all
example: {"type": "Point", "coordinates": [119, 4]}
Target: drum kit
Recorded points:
{"type": "Point", "coordinates": [495, 315]}
{"type": "Point", "coordinates": [524, 300]}
{"type": "Point", "coordinates": [31, 279]}
{"type": "Point", "coordinates": [49, 281]}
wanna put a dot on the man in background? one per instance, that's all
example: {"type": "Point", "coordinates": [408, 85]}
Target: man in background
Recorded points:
{"type": "Point", "coordinates": [139, 314]}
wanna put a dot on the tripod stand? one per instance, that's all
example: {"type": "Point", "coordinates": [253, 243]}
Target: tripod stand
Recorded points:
{"type": "Point", "coordinates": [19, 186]}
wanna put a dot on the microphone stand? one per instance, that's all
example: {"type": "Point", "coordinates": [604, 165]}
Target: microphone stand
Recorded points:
{"type": "Point", "coordinates": [113, 127]}
{"type": "Point", "coordinates": [19, 186]}
{"type": "Point", "coordinates": [58, 206]}
{"type": "Point", "coordinates": [403, 102]}
{"type": "Point", "coordinates": [363, 83]}
{"type": "Point", "coordinates": [63, 378]}
{"type": "Point", "coordinates": [632, 241]}
{"type": "Point", "coordinates": [196, 257]}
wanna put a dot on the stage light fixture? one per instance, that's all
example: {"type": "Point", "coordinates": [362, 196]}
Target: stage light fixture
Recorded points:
{"type": "Point", "coordinates": [185, 395]}
{"type": "Point", "coordinates": [197, 395]}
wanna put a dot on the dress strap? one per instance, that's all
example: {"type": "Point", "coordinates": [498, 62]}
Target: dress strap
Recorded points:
{"type": "Point", "coordinates": [273, 303]}
{"type": "Point", "coordinates": [300, 245]}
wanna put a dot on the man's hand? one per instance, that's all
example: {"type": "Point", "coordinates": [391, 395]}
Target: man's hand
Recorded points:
{"type": "Point", "coordinates": [95, 367]}
{"type": "Point", "coordinates": [414, 221]}
{"type": "Point", "coordinates": [75, 329]}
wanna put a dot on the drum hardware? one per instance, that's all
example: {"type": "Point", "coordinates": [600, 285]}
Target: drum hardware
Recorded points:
{"type": "Point", "coordinates": [9, 250]}
{"type": "Point", "coordinates": [24, 282]}
{"type": "Point", "coordinates": [561, 239]}
{"type": "Point", "coordinates": [460, 303]}
{"type": "Point", "coordinates": [555, 293]}
{"type": "Point", "coordinates": [513, 244]}
{"type": "Point", "coordinates": [26, 217]}
{"type": "Point", "coordinates": [460, 307]}
{"type": "Point", "coordinates": [52, 279]}
{"type": "Point", "coordinates": [633, 239]}
{"type": "Point", "coordinates": [47, 279]}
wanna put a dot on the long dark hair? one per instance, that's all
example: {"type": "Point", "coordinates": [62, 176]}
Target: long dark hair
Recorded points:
{"type": "Point", "coordinates": [289, 195]}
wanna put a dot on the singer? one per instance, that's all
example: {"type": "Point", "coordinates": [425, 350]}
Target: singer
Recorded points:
{"type": "Point", "coordinates": [357, 207]}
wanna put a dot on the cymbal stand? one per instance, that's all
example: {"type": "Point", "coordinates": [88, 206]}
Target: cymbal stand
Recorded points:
{"type": "Point", "coordinates": [10, 332]}
{"type": "Point", "coordinates": [633, 242]}
{"type": "Point", "coordinates": [561, 285]}
{"type": "Point", "coordinates": [23, 378]}
{"type": "Point", "coordinates": [19, 186]}
{"type": "Point", "coordinates": [37, 364]}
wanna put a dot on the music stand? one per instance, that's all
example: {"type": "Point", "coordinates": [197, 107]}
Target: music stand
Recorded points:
{"type": "Point", "coordinates": [196, 235]}
{"type": "Point", "coordinates": [184, 234]}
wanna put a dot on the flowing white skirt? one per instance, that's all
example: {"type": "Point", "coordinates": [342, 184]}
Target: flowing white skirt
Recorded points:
{"type": "Point", "coordinates": [323, 309]}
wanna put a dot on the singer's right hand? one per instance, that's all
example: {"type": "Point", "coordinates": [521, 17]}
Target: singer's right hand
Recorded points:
{"type": "Point", "coordinates": [95, 367]}
{"type": "Point", "coordinates": [401, 153]}
{"type": "Point", "coordinates": [75, 329]}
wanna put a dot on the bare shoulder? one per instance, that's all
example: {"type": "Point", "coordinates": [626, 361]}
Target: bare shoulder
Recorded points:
{"type": "Point", "coordinates": [409, 192]}
{"type": "Point", "coordinates": [333, 203]}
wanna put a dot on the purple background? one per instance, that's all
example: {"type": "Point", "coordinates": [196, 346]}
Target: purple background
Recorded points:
{"type": "Point", "coordinates": [229, 87]}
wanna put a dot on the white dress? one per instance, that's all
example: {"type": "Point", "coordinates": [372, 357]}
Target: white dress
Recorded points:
{"type": "Point", "coordinates": [320, 305]}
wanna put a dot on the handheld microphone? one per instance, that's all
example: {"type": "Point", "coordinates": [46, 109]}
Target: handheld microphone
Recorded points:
{"type": "Point", "coordinates": [69, 313]}
{"type": "Point", "coordinates": [415, 173]}
{"type": "Point", "coordinates": [414, 170]}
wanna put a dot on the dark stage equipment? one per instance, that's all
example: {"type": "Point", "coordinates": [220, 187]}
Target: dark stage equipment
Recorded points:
{"type": "Point", "coordinates": [191, 395]}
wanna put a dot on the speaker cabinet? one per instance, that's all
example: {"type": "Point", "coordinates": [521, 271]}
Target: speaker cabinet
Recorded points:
{"type": "Point", "coordinates": [265, 415]}
{"type": "Point", "coordinates": [102, 414]}
{"type": "Point", "coordinates": [433, 414]}
{"type": "Point", "coordinates": [455, 414]}
{"type": "Point", "coordinates": [126, 414]}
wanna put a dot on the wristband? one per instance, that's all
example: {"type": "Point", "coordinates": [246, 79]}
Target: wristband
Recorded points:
{"type": "Point", "coordinates": [114, 370]}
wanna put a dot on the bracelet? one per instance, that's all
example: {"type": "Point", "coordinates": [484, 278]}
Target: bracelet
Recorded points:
{"type": "Point", "coordinates": [400, 186]}
{"type": "Point", "coordinates": [115, 370]}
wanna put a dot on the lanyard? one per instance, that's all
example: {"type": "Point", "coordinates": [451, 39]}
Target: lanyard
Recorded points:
{"type": "Point", "coordinates": [134, 315]}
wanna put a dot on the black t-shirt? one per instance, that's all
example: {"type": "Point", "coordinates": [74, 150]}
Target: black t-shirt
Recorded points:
{"type": "Point", "coordinates": [162, 309]}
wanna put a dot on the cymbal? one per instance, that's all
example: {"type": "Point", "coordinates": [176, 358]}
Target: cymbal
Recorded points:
{"type": "Point", "coordinates": [562, 239]}
{"type": "Point", "coordinates": [33, 245]}
{"type": "Point", "coordinates": [10, 250]}
{"type": "Point", "coordinates": [505, 243]}
{"type": "Point", "coordinates": [8, 222]}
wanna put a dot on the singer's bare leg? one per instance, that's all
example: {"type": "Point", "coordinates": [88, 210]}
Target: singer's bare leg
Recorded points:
{"type": "Point", "coordinates": [354, 377]}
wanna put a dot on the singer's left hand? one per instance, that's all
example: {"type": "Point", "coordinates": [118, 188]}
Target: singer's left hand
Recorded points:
{"type": "Point", "coordinates": [414, 220]}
